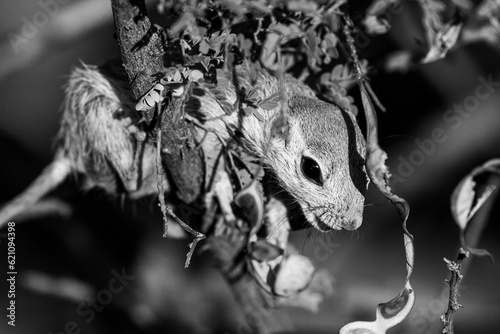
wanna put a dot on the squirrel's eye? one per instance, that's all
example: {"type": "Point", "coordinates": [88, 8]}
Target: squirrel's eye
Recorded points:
{"type": "Point", "coordinates": [311, 170]}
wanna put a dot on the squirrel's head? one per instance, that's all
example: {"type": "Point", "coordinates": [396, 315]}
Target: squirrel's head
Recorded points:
{"type": "Point", "coordinates": [317, 153]}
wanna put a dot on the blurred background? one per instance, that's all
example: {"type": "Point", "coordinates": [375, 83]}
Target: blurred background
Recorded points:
{"type": "Point", "coordinates": [65, 262]}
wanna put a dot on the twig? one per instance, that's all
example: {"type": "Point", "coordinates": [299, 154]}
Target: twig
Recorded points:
{"type": "Point", "coordinates": [459, 268]}
{"type": "Point", "coordinates": [456, 278]}
{"type": "Point", "coordinates": [159, 184]}
{"type": "Point", "coordinates": [166, 210]}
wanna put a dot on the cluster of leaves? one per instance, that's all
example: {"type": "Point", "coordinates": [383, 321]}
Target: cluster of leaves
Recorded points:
{"type": "Point", "coordinates": [445, 23]}
{"type": "Point", "coordinates": [304, 34]}
{"type": "Point", "coordinates": [334, 85]}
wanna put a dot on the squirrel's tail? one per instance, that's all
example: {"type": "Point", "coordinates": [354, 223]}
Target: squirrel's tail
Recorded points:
{"type": "Point", "coordinates": [53, 175]}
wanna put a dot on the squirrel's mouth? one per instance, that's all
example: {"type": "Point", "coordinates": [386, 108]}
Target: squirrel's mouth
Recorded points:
{"type": "Point", "coordinates": [320, 225]}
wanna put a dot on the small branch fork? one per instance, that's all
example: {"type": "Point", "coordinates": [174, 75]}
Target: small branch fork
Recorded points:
{"type": "Point", "coordinates": [456, 277]}
{"type": "Point", "coordinates": [166, 210]}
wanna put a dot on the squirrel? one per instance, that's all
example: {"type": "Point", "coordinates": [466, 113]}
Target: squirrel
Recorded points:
{"type": "Point", "coordinates": [313, 148]}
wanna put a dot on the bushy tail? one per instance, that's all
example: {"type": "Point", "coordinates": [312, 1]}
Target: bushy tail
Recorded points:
{"type": "Point", "coordinates": [53, 175]}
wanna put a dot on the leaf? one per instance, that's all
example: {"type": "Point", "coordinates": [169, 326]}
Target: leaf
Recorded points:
{"type": "Point", "coordinates": [302, 6]}
{"type": "Point", "coordinates": [216, 91]}
{"type": "Point", "coordinates": [270, 102]}
{"type": "Point", "coordinates": [228, 108]}
{"type": "Point", "coordinates": [198, 91]}
{"type": "Point", "coordinates": [252, 94]}
{"type": "Point", "coordinates": [248, 111]}
{"type": "Point", "coordinates": [464, 5]}
{"type": "Point", "coordinates": [204, 47]}
{"type": "Point", "coordinates": [388, 315]}
{"type": "Point", "coordinates": [375, 25]}
{"type": "Point", "coordinates": [195, 75]}
{"type": "Point", "coordinates": [222, 82]}
{"type": "Point", "coordinates": [465, 202]}
{"type": "Point", "coordinates": [312, 42]}
{"type": "Point", "coordinates": [487, 9]}
{"type": "Point", "coordinates": [149, 100]}
{"type": "Point", "coordinates": [432, 21]}
{"type": "Point", "coordinates": [337, 72]}
{"type": "Point", "coordinates": [159, 87]}
{"type": "Point", "coordinates": [380, 6]}
{"type": "Point", "coordinates": [208, 85]}
{"type": "Point", "coordinates": [251, 202]}
{"type": "Point", "coordinates": [268, 54]}
{"type": "Point", "coordinates": [263, 251]}
{"type": "Point", "coordinates": [140, 105]}
{"type": "Point", "coordinates": [224, 192]}
{"type": "Point", "coordinates": [379, 173]}
{"type": "Point", "coordinates": [398, 61]}
{"type": "Point", "coordinates": [258, 115]}
{"type": "Point", "coordinates": [177, 76]}
{"type": "Point", "coordinates": [294, 275]}
{"type": "Point", "coordinates": [154, 94]}
{"type": "Point", "coordinates": [269, 105]}
{"type": "Point", "coordinates": [443, 41]}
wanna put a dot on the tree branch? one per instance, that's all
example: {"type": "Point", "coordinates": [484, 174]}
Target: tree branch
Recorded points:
{"type": "Point", "coordinates": [139, 42]}
{"type": "Point", "coordinates": [456, 278]}
{"type": "Point", "coordinates": [142, 50]}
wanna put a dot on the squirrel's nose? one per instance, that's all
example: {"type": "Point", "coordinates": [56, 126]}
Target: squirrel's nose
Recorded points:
{"type": "Point", "coordinates": [355, 218]}
{"type": "Point", "coordinates": [352, 225]}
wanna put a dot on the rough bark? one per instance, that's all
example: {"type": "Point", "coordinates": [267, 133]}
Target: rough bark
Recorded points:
{"type": "Point", "coordinates": [141, 47]}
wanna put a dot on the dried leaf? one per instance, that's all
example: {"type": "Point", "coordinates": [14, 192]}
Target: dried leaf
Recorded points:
{"type": "Point", "coordinates": [251, 203]}
{"type": "Point", "coordinates": [375, 25]}
{"type": "Point", "coordinates": [464, 5]}
{"type": "Point", "coordinates": [149, 100]}
{"type": "Point", "coordinates": [159, 87]}
{"type": "Point", "coordinates": [177, 76]}
{"type": "Point", "coordinates": [154, 94]}
{"type": "Point", "coordinates": [263, 251]}
{"type": "Point", "coordinates": [443, 41]}
{"type": "Point", "coordinates": [204, 47]}
{"type": "Point", "coordinates": [399, 61]}
{"type": "Point", "coordinates": [140, 105]}
{"type": "Point", "coordinates": [379, 6]}
{"type": "Point", "coordinates": [373, 22]}
{"type": "Point", "coordinates": [465, 201]}
{"type": "Point", "coordinates": [379, 174]}
{"type": "Point", "coordinates": [388, 315]}
{"type": "Point", "coordinates": [195, 75]}
{"type": "Point", "coordinates": [294, 275]}
{"type": "Point", "coordinates": [488, 8]}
